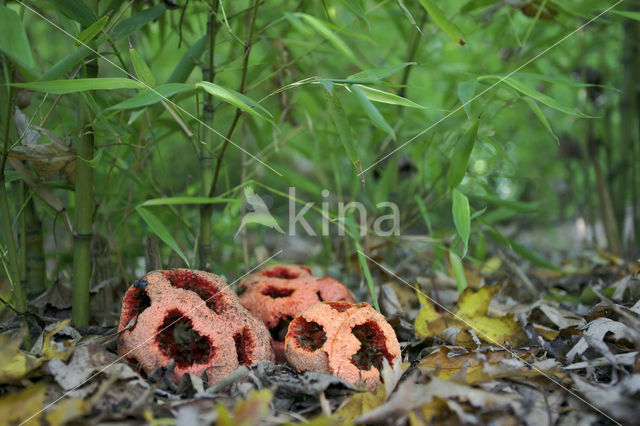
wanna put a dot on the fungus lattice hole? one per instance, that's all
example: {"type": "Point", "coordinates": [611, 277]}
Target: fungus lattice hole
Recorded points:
{"type": "Point", "coordinates": [372, 347]}
{"type": "Point", "coordinates": [319, 296]}
{"type": "Point", "coordinates": [136, 301]}
{"type": "Point", "coordinates": [340, 306]}
{"type": "Point", "coordinates": [178, 340]}
{"type": "Point", "coordinates": [279, 332]}
{"type": "Point", "coordinates": [283, 273]}
{"type": "Point", "coordinates": [309, 334]}
{"type": "Point", "coordinates": [204, 288]}
{"type": "Point", "coordinates": [244, 346]}
{"type": "Point", "coordinates": [277, 292]}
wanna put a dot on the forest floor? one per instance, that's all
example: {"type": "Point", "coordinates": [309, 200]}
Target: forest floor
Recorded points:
{"type": "Point", "coordinates": [572, 357]}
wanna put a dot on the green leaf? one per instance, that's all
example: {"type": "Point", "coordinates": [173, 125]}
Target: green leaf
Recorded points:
{"type": "Point", "coordinates": [322, 28]}
{"type": "Point", "coordinates": [354, 234]}
{"type": "Point", "coordinates": [236, 99]}
{"type": "Point", "coordinates": [458, 271]}
{"type": "Point", "coordinates": [131, 25]}
{"type": "Point", "coordinates": [628, 14]}
{"type": "Point", "coordinates": [466, 90]}
{"type": "Point", "coordinates": [161, 231]}
{"type": "Point", "coordinates": [172, 201]}
{"type": "Point", "coordinates": [423, 212]}
{"type": "Point", "coordinates": [60, 87]}
{"type": "Point", "coordinates": [524, 252]}
{"type": "Point", "coordinates": [440, 20]}
{"type": "Point", "coordinates": [77, 10]}
{"type": "Point", "coordinates": [188, 61]}
{"type": "Point", "coordinates": [461, 154]}
{"type": "Point", "coordinates": [151, 96]}
{"type": "Point", "coordinates": [342, 126]}
{"type": "Point", "coordinates": [376, 74]}
{"type": "Point", "coordinates": [142, 69]}
{"type": "Point", "coordinates": [13, 39]}
{"type": "Point", "coordinates": [88, 34]}
{"type": "Point", "coordinates": [461, 217]}
{"type": "Point", "coordinates": [538, 96]}
{"type": "Point", "coordinates": [387, 98]}
{"type": "Point", "coordinates": [408, 14]}
{"type": "Point", "coordinates": [58, 69]}
{"type": "Point", "coordinates": [538, 112]}
{"type": "Point", "coordinates": [376, 118]}
{"type": "Point", "coordinates": [518, 206]}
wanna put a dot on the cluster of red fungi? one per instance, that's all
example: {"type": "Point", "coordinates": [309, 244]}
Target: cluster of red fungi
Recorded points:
{"type": "Point", "coordinates": [195, 322]}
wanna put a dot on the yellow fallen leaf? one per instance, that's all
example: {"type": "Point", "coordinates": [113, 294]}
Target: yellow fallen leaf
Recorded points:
{"type": "Point", "coordinates": [471, 313]}
{"type": "Point", "coordinates": [434, 412]}
{"type": "Point", "coordinates": [249, 412]}
{"type": "Point", "coordinates": [360, 403]}
{"type": "Point", "coordinates": [52, 349]}
{"type": "Point", "coordinates": [28, 406]}
{"type": "Point", "coordinates": [15, 363]}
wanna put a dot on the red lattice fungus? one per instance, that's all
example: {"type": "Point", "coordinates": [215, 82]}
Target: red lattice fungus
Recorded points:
{"type": "Point", "coordinates": [278, 294]}
{"type": "Point", "coordinates": [193, 318]}
{"type": "Point", "coordinates": [345, 339]}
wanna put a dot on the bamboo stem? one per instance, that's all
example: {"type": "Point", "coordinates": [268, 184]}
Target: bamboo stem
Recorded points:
{"type": "Point", "coordinates": [83, 216]}
{"type": "Point", "coordinates": [19, 296]}
{"type": "Point", "coordinates": [207, 211]}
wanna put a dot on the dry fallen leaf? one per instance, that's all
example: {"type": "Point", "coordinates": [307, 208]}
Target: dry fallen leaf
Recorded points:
{"type": "Point", "coordinates": [249, 412]}
{"type": "Point", "coordinates": [28, 406]}
{"type": "Point", "coordinates": [478, 367]}
{"type": "Point", "coordinates": [15, 363]}
{"type": "Point", "coordinates": [360, 403]}
{"type": "Point", "coordinates": [470, 319]}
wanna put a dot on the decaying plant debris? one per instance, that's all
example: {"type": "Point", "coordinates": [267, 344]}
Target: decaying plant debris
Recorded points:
{"type": "Point", "coordinates": [572, 363]}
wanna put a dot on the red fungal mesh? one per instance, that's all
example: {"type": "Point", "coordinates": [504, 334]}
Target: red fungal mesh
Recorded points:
{"type": "Point", "coordinates": [207, 291]}
{"type": "Point", "coordinates": [308, 334]}
{"type": "Point", "coordinates": [177, 339]}
{"type": "Point", "coordinates": [277, 292]}
{"type": "Point", "coordinates": [281, 272]}
{"type": "Point", "coordinates": [244, 343]}
{"type": "Point", "coordinates": [372, 347]}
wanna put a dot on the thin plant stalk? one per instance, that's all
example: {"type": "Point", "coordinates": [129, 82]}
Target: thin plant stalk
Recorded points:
{"type": "Point", "coordinates": [206, 213]}
{"type": "Point", "coordinates": [83, 216]}
{"type": "Point", "coordinates": [19, 296]}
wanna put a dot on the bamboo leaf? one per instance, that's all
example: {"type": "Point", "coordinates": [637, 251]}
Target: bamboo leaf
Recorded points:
{"type": "Point", "coordinates": [13, 39]}
{"type": "Point", "coordinates": [342, 126]}
{"type": "Point", "coordinates": [408, 14]}
{"type": "Point", "coordinates": [440, 20]}
{"type": "Point", "coordinates": [353, 233]}
{"type": "Point", "coordinates": [131, 25]}
{"type": "Point", "coordinates": [627, 14]}
{"type": "Point", "coordinates": [142, 69]}
{"type": "Point", "coordinates": [376, 118]}
{"type": "Point", "coordinates": [376, 74]}
{"type": "Point", "coordinates": [158, 228]}
{"type": "Point", "coordinates": [538, 112]}
{"type": "Point", "coordinates": [172, 201]}
{"type": "Point", "coordinates": [458, 271]}
{"type": "Point", "coordinates": [236, 99]}
{"type": "Point", "coordinates": [461, 154]}
{"type": "Point", "coordinates": [61, 87]}
{"type": "Point", "coordinates": [387, 98]}
{"type": "Point", "coordinates": [88, 34]}
{"type": "Point", "coordinates": [151, 96]}
{"type": "Point", "coordinates": [461, 217]}
{"type": "Point", "coordinates": [466, 90]}
{"type": "Point", "coordinates": [322, 28]}
{"type": "Point", "coordinates": [538, 96]}
{"type": "Point", "coordinates": [77, 10]}
{"type": "Point", "coordinates": [188, 61]}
